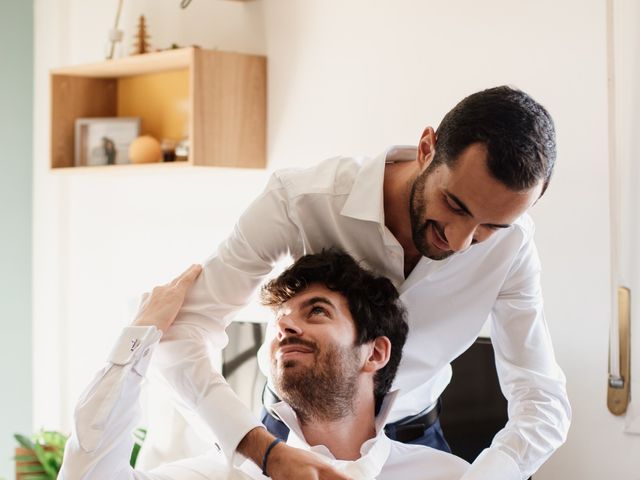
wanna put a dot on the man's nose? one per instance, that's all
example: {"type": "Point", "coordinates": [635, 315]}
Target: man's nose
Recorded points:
{"type": "Point", "coordinates": [286, 326]}
{"type": "Point", "coordinates": [460, 235]}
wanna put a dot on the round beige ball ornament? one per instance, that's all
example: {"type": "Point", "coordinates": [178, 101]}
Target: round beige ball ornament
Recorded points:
{"type": "Point", "coordinates": [145, 149]}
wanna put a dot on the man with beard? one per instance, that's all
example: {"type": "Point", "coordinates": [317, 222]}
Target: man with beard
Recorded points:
{"type": "Point", "coordinates": [338, 337]}
{"type": "Point", "coordinates": [446, 222]}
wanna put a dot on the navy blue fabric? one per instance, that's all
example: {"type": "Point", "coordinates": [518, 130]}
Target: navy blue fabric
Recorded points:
{"type": "Point", "coordinates": [433, 436]}
{"type": "Point", "coordinates": [275, 426]}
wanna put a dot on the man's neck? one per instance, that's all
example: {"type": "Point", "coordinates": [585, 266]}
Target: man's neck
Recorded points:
{"type": "Point", "coordinates": [343, 437]}
{"type": "Point", "coordinates": [398, 178]}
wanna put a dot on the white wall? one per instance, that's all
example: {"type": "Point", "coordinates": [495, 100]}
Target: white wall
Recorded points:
{"type": "Point", "coordinates": [102, 240]}
{"type": "Point", "coordinates": [344, 77]}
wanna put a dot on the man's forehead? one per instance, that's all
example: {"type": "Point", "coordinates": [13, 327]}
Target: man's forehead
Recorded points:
{"type": "Point", "coordinates": [316, 293]}
{"type": "Point", "coordinates": [471, 184]}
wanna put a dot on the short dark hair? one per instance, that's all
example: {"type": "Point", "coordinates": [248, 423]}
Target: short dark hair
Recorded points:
{"type": "Point", "coordinates": [373, 302]}
{"type": "Point", "coordinates": [517, 131]}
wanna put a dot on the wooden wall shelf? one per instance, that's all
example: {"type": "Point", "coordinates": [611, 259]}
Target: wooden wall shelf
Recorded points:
{"type": "Point", "coordinates": [217, 98]}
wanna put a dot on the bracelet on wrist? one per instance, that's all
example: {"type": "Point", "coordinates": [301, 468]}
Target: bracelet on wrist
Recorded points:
{"type": "Point", "coordinates": [266, 456]}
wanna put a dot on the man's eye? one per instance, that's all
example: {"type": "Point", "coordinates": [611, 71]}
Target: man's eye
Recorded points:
{"type": "Point", "coordinates": [452, 206]}
{"type": "Point", "coordinates": [318, 311]}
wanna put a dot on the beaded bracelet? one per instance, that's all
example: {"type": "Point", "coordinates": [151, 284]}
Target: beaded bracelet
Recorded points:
{"type": "Point", "coordinates": [266, 456]}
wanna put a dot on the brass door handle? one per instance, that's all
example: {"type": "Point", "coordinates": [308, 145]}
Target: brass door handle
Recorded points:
{"type": "Point", "coordinates": [618, 386]}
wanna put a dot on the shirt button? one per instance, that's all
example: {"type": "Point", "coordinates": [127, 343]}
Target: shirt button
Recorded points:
{"type": "Point", "coordinates": [145, 353]}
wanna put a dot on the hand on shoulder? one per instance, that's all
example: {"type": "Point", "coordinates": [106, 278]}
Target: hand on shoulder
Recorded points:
{"type": "Point", "coordinates": [288, 462]}
{"type": "Point", "coordinates": [160, 308]}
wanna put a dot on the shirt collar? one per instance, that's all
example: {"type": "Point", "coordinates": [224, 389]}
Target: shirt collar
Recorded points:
{"type": "Point", "coordinates": [366, 202]}
{"type": "Point", "coordinates": [374, 451]}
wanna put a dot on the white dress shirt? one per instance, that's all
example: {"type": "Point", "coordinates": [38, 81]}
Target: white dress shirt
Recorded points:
{"type": "Point", "coordinates": [339, 203]}
{"type": "Point", "coordinates": [108, 412]}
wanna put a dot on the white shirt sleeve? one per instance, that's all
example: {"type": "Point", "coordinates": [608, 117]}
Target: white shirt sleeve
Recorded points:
{"type": "Point", "coordinates": [531, 380]}
{"type": "Point", "coordinates": [263, 235]}
{"type": "Point", "coordinates": [107, 413]}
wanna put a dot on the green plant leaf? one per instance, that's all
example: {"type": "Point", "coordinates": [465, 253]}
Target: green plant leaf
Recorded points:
{"type": "Point", "coordinates": [53, 439]}
{"type": "Point", "coordinates": [135, 451]}
{"type": "Point", "coordinates": [139, 435]}
{"type": "Point", "coordinates": [25, 458]}
{"type": "Point", "coordinates": [24, 441]}
{"type": "Point", "coordinates": [29, 468]}
{"type": "Point", "coordinates": [40, 453]}
{"type": "Point", "coordinates": [48, 448]}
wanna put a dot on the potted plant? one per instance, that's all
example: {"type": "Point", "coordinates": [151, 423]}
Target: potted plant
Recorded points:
{"type": "Point", "coordinates": [39, 457]}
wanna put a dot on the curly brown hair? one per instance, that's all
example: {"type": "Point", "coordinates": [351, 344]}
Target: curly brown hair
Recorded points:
{"type": "Point", "coordinates": [373, 302]}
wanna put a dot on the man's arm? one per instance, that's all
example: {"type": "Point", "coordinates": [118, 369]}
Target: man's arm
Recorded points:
{"type": "Point", "coordinates": [531, 380]}
{"type": "Point", "coordinates": [108, 411]}
{"type": "Point", "coordinates": [264, 234]}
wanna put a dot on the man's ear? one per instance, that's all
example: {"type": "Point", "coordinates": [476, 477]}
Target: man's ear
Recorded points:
{"type": "Point", "coordinates": [426, 147]}
{"type": "Point", "coordinates": [378, 354]}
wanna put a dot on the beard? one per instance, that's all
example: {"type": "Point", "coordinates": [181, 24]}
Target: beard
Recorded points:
{"type": "Point", "coordinates": [418, 215]}
{"type": "Point", "coordinates": [326, 389]}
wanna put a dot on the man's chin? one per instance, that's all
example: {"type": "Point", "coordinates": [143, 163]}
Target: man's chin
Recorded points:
{"type": "Point", "coordinates": [290, 369]}
{"type": "Point", "coordinates": [439, 256]}
{"type": "Point", "coordinates": [289, 364]}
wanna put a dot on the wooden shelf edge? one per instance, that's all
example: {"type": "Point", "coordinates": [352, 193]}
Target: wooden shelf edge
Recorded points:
{"type": "Point", "coordinates": [143, 168]}
{"type": "Point", "coordinates": [132, 65]}
{"type": "Point", "coordinates": [130, 167]}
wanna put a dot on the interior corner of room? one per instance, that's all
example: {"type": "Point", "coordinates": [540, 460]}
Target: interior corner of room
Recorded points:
{"type": "Point", "coordinates": [247, 87]}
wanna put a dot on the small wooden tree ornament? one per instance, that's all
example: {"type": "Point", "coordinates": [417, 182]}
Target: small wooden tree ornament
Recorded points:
{"type": "Point", "coordinates": [141, 44]}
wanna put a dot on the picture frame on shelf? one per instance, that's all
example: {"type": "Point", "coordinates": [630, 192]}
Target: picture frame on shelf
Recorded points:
{"type": "Point", "coordinates": [104, 140]}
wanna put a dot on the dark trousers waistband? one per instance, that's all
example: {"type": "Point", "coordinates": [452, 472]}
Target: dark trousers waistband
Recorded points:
{"type": "Point", "coordinates": [409, 428]}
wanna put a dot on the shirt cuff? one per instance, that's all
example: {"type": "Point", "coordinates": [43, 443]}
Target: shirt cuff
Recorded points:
{"type": "Point", "coordinates": [229, 418]}
{"type": "Point", "coordinates": [494, 464]}
{"type": "Point", "coordinates": [134, 346]}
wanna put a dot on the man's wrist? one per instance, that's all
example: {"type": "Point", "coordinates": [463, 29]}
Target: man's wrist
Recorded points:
{"type": "Point", "coordinates": [265, 459]}
{"type": "Point", "coordinates": [255, 444]}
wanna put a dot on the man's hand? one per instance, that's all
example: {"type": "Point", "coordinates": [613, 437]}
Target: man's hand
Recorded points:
{"type": "Point", "coordinates": [285, 462]}
{"type": "Point", "coordinates": [161, 307]}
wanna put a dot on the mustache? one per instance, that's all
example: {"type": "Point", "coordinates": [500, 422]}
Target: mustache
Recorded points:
{"type": "Point", "coordinates": [297, 341]}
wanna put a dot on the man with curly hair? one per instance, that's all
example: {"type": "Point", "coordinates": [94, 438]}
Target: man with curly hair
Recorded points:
{"type": "Point", "coordinates": [337, 340]}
